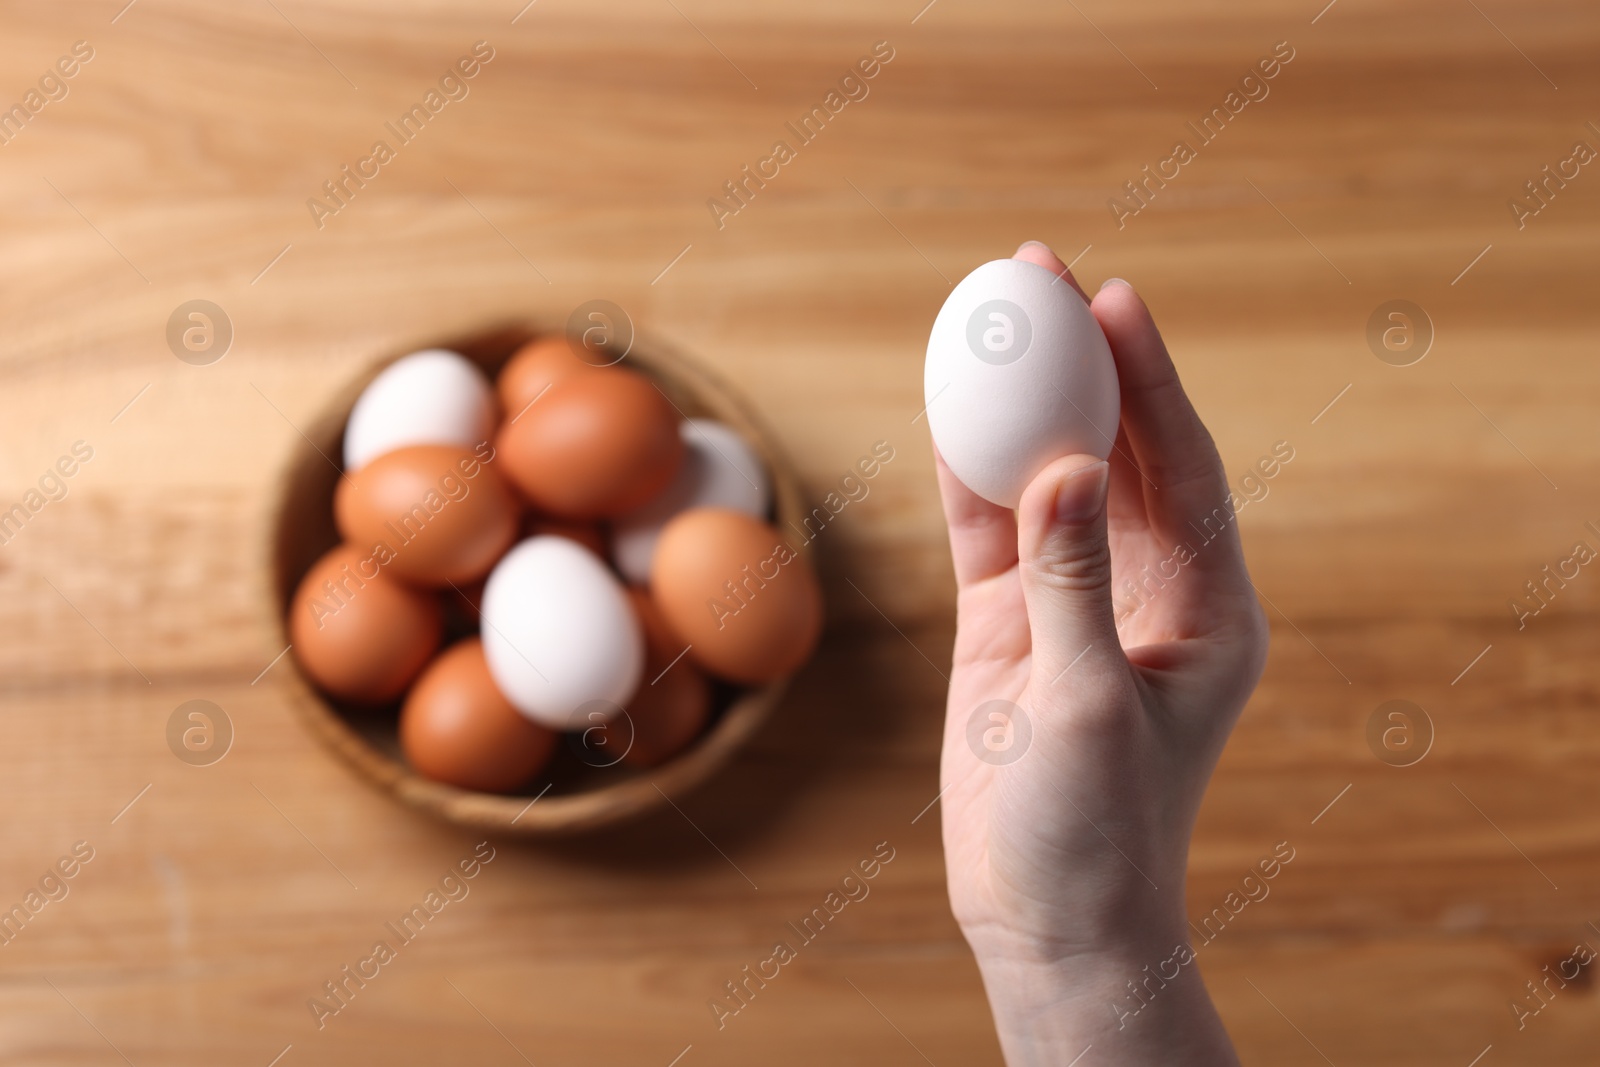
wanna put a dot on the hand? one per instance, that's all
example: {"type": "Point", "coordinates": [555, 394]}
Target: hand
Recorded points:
{"type": "Point", "coordinates": [1066, 865]}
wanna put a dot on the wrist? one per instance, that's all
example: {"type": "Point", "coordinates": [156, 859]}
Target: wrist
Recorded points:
{"type": "Point", "coordinates": [1128, 933]}
{"type": "Point", "coordinates": [1140, 1002]}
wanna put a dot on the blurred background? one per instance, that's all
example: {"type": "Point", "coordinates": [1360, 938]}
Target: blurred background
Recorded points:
{"type": "Point", "coordinates": [1350, 266]}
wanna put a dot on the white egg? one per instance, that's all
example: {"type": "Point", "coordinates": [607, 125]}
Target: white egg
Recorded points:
{"type": "Point", "coordinates": [561, 638]}
{"type": "Point", "coordinates": [719, 470]}
{"type": "Point", "coordinates": [1018, 375]}
{"type": "Point", "coordinates": [432, 397]}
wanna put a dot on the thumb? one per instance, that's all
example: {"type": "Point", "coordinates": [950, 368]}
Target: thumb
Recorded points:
{"type": "Point", "coordinates": [1066, 563]}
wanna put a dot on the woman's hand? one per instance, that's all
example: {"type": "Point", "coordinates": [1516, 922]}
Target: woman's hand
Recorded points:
{"type": "Point", "coordinates": [1079, 735]}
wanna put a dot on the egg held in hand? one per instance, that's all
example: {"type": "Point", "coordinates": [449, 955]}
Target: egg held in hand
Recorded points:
{"type": "Point", "coordinates": [359, 634]}
{"type": "Point", "coordinates": [457, 727]}
{"type": "Point", "coordinates": [435, 515]}
{"type": "Point", "coordinates": [562, 641]}
{"type": "Point", "coordinates": [433, 397]}
{"type": "Point", "coordinates": [739, 595]}
{"type": "Point", "coordinates": [673, 701]}
{"type": "Point", "coordinates": [600, 443]}
{"type": "Point", "coordinates": [1018, 374]}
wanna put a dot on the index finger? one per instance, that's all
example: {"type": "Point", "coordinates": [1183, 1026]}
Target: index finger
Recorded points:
{"type": "Point", "coordinates": [1041, 255]}
{"type": "Point", "coordinates": [1170, 443]}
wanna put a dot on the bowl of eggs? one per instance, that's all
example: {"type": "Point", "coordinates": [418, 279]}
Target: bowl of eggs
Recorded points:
{"type": "Point", "coordinates": [536, 585]}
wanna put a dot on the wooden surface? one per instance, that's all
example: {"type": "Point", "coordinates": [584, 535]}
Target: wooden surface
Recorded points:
{"type": "Point", "coordinates": [1415, 508]}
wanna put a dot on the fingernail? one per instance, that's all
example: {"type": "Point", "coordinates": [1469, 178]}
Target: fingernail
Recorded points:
{"type": "Point", "coordinates": [1082, 494]}
{"type": "Point", "coordinates": [1114, 281]}
{"type": "Point", "coordinates": [1031, 244]}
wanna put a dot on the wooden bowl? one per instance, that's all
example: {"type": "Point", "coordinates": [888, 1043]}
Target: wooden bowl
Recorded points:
{"type": "Point", "coordinates": [576, 798]}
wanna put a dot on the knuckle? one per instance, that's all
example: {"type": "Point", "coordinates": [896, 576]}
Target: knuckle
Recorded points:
{"type": "Point", "coordinates": [1073, 565]}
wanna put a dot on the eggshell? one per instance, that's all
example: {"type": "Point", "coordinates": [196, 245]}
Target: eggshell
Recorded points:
{"type": "Point", "coordinates": [599, 444]}
{"type": "Point", "coordinates": [1018, 374]}
{"type": "Point", "coordinates": [457, 727]}
{"type": "Point", "coordinates": [359, 634]}
{"type": "Point", "coordinates": [443, 516]}
{"type": "Point", "coordinates": [533, 368]}
{"type": "Point", "coordinates": [742, 598]}
{"type": "Point", "coordinates": [432, 397]}
{"type": "Point", "coordinates": [719, 470]}
{"type": "Point", "coordinates": [559, 632]}
{"type": "Point", "coordinates": [673, 702]}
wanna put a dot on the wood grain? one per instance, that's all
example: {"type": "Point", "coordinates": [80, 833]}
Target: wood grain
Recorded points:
{"type": "Point", "coordinates": [1417, 506]}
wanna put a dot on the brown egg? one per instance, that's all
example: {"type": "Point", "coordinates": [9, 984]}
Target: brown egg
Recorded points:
{"type": "Point", "coordinates": [359, 634]}
{"type": "Point", "coordinates": [599, 444]}
{"type": "Point", "coordinates": [535, 366]}
{"type": "Point", "coordinates": [674, 698]}
{"type": "Point", "coordinates": [457, 728]}
{"type": "Point", "coordinates": [436, 514]}
{"type": "Point", "coordinates": [744, 600]}
{"type": "Point", "coordinates": [586, 534]}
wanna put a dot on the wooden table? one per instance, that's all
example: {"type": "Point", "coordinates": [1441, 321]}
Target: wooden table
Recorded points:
{"type": "Point", "coordinates": [1419, 501]}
